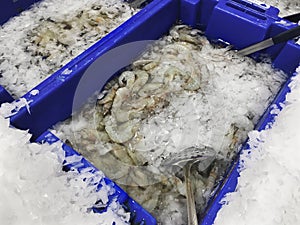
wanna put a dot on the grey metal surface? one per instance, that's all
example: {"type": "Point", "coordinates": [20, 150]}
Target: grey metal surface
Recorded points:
{"type": "Point", "coordinates": [256, 47]}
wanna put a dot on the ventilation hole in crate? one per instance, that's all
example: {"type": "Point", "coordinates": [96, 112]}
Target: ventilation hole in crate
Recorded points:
{"type": "Point", "coordinates": [232, 5]}
{"type": "Point", "coordinates": [243, 9]}
{"type": "Point", "coordinates": [261, 17]}
{"type": "Point", "coordinates": [250, 5]}
{"type": "Point", "coordinates": [256, 8]}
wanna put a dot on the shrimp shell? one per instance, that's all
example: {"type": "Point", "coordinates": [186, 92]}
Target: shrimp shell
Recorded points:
{"type": "Point", "coordinates": [120, 133]}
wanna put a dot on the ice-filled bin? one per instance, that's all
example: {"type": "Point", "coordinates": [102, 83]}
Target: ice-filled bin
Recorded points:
{"type": "Point", "coordinates": [230, 183]}
{"type": "Point", "coordinates": [8, 10]}
{"type": "Point", "coordinates": [137, 214]}
{"type": "Point", "coordinates": [49, 37]}
{"type": "Point", "coordinates": [13, 8]}
{"type": "Point", "coordinates": [222, 22]}
{"type": "Point", "coordinates": [140, 27]}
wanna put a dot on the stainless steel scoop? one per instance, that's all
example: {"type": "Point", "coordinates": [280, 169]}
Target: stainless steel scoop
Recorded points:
{"type": "Point", "coordinates": [185, 159]}
{"type": "Point", "coordinates": [279, 38]}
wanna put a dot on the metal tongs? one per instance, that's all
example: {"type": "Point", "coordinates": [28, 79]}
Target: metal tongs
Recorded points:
{"type": "Point", "coordinates": [186, 159]}
{"type": "Point", "coordinates": [280, 38]}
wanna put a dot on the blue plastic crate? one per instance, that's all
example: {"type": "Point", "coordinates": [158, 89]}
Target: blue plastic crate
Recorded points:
{"type": "Point", "coordinates": [150, 23]}
{"type": "Point", "coordinates": [11, 8]}
{"type": "Point", "coordinates": [138, 215]}
{"type": "Point", "coordinates": [5, 96]}
{"type": "Point", "coordinates": [254, 20]}
{"type": "Point", "coordinates": [237, 22]}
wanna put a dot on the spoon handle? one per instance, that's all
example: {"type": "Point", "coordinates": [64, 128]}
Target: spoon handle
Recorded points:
{"type": "Point", "coordinates": [293, 18]}
{"type": "Point", "coordinates": [287, 35]}
{"type": "Point", "coordinates": [191, 208]}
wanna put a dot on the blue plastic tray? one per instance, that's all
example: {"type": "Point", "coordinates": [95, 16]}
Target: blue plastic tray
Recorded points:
{"type": "Point", "coordinates": [5, 96]}
{"type": "Point", "coordinates": [138, 215]}
{"type": "Point", "coordinates": [151, 23]}
{"type": "Point", "coordinates": [237, 22]}
{"type": "Point", "coordinates": [230, 182]}
{"type": "Point", "coordinates": [10, 8]}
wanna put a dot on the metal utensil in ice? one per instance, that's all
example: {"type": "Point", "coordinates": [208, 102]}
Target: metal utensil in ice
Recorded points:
{"type": "Point", "coordinates": [279, 38]}
{"type": "Point", "coordinates": [185, 159]}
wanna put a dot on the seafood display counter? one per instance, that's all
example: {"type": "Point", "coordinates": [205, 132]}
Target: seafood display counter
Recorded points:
{"type": "Point", "coordinates": [136, 70]}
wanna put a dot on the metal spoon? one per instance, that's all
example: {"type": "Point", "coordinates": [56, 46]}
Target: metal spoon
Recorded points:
{"type": "Point", "coordinates": [185, 159]}
{"type": "Point", "coordinates": [279, 38]}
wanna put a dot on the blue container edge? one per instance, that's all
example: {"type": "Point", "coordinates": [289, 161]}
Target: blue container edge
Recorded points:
{"type": "Point", "coordinates": [74, 63]}
{"type": "Point", "coordinates": [231, 180]}
{"type": "Point", "coordinates": [127, 202]}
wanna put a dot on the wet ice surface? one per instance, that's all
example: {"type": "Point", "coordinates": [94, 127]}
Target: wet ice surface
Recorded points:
{"type": "Point", "coordinates": [34, 190]}
{"type": "Point", "coordinates": [46, 37]}
{"type": "Point", "coordinates": [183, 92]}
{"type": "Point", "coordinates": [268, 190]}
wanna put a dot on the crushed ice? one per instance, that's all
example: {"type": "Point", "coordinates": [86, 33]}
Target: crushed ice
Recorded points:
{"type": "Point", "coordinates": [268, 187]}
{"type": "Point", "coordinates": [195, 94]}
{"type": "Point", "coordinates": [34, 190]}
{"type": "Point", "coordinates": [47, 36]}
